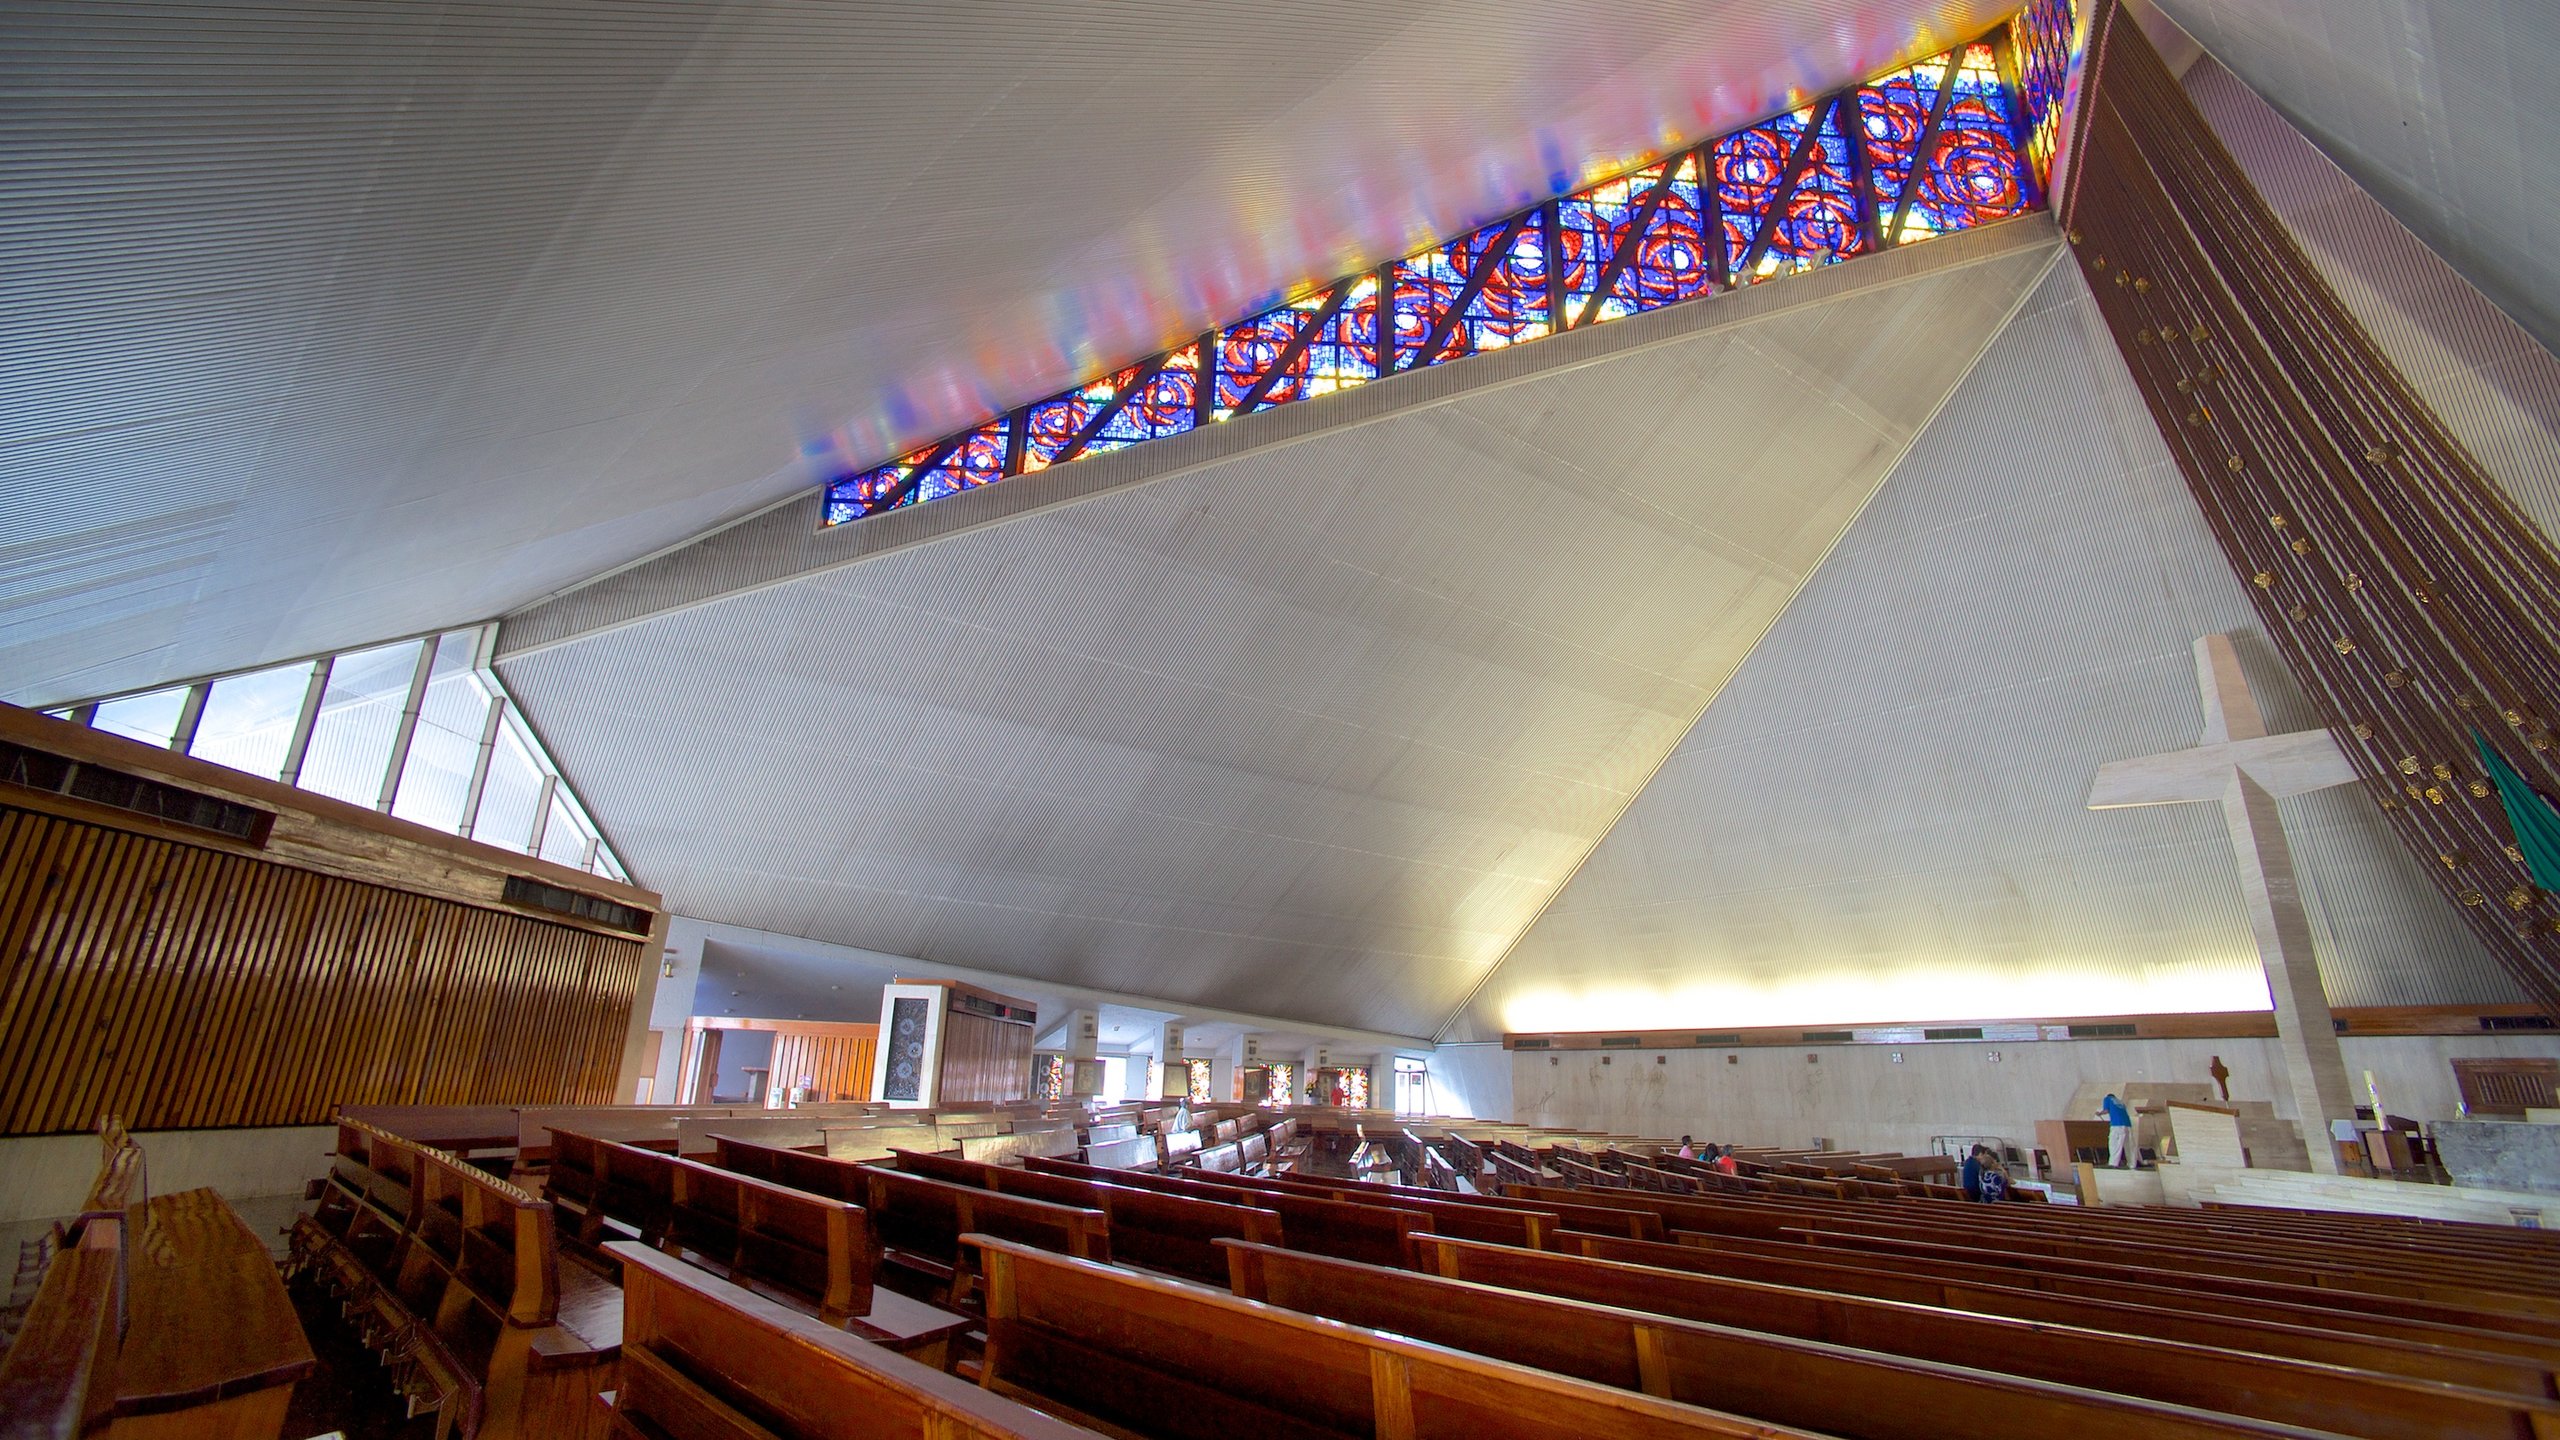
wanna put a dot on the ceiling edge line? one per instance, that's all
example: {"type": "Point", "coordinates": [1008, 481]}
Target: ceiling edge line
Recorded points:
{"type": "Point", "coordinates": [2026, 291]}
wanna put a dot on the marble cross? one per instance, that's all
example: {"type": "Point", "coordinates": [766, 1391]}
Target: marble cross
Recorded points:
{"type": "Point", "coordinates": [2247, 770]}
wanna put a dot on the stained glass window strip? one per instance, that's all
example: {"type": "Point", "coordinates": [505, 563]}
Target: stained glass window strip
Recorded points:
{"type": "Point", "coordinates": [1341, 352]}
{"type": "Point", "coordinates": [1751, 169]}
{"type": "Point", "coordinates": [1935, 147]}
{"type": "Point", "coordinates": [1196, 1075]}
{"type": "Point", "coordinates": [1814, 215]}
{"type": "Point", "coordinates": [1509, 304]}
{"type": "Point", "coordinates": [1895, 115]}
{"type": "Point", "coordinates": [1670, 261]}
{"type": "Point", "coordinates": [1143, 402]}
{"type": "Point", "coordinates": [1049, 1077]}
{"type": "Point", "coordinates": [2043, 35]}
{"type": "Point", "coordinates": [1975, 174]}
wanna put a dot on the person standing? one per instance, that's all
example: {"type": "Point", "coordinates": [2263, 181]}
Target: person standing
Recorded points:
{"type": "Point", "coordinates": [2119, 1133]}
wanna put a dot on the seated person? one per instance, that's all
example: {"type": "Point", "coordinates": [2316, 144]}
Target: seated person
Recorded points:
{"type": "Point", "coordinates": [1985, 1179]}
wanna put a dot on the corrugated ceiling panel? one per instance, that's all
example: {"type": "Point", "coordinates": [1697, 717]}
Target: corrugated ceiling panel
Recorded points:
{"type": "Point", "coordinates": [327, 322]}
{"type": "Point", "coordinates": [2441, 108]}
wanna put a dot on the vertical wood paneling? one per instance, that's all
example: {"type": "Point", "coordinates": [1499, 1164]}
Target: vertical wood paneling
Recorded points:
{"type": "Point", "coordinates": [984, 1059]}
{"type": "Point", "coordinates": [178, 985]}
{"type": "Point", "coordinates": [838, 1065]}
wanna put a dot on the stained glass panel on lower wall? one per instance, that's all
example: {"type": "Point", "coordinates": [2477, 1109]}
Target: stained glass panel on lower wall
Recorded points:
{"type": "Point", "coordinates": [1670, 262]}
{"type": "Point", "coordinates": [1510, 307]}
{"type": "Point", "coordinates": [1974, 173]}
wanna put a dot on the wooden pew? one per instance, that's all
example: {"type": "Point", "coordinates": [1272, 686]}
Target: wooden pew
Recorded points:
{"type": "Point", "coordinates": [2159, 1292]}
{"type": "Point", "coordinates": [1555, 1217]}
{"type": "Point", "coordinates": [1329, 1227]}
{"type": "Point", "coordinates": [704, 1360]}
{"type": "Point", "coordinates": [152, 1318]}
{"type": "Point", "coordinates": [2323, 1396]}
{"type": "Point", "coordinates": [1855, 1394]}
{"type": "Point", "coordinates": [920, 1222]}
{"type": "Point", "coordinates": [1176, 1234]}
{"type": "Point", "coordinates": [761, 1235]}
{"type": "Point", "coordinates": [1502, 1225]}
{"type": "Point", "coordinates": [794, 1232]}
{"type": "Point", "coordinates": [1149, 1357]}
{"type": "Point", "coordinates": [464, 1293]}
{"type": "Point", "coordinates": [2440, 1358]}
{"type": "Point", "coordinates": [1137, 1152]}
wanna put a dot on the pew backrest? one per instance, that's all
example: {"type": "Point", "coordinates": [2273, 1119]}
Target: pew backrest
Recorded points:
{"type": "Point", "coordinates": [1230, 1367]}
{"type": "Point", "coordinates": [707, 1361]}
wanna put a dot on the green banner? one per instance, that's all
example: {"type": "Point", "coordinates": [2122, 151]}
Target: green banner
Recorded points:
{"type": "Point", "coordinates": [2537, 825]}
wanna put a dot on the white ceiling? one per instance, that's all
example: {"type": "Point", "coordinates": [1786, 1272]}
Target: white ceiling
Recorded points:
{"type": "Point", "coordinates": [326, 323]}
{"type": "Point", "coordinates": [2442, 109]}
{"type": "Point", "coordinates": [1311, 731]}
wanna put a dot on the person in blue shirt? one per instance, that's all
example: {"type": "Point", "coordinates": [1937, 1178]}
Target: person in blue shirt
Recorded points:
{"type": "Point", "coordinates": [2119, 1133]}
{"type": "Point", "coordinates": [1984, 1178]}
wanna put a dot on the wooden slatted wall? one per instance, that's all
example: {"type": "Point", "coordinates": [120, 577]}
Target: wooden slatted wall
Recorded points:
{"type": "Point", "coordinates": [179, 985]}
{"type": "Point", "coordinates": [838, 1065]}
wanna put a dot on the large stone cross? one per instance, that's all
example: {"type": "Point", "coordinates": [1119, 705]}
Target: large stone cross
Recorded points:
{"type": "Point", "coordinates": [2248, 770]}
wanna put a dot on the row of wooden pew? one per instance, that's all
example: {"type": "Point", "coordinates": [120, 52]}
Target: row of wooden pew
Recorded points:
{"type": "Point", "coordinates": [1194, 1302]}
{"type": "Point", "coordinates": [453, 1276]}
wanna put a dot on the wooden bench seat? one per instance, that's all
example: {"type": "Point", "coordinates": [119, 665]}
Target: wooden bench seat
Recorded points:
{"type": "Point", "coordinates": [2441, 1357]}
{"type": "Point", "coordinates": [1152, 1357]}
{"type": "Point", "coordinates": [920, 1222]}
{"type": "Point", "coordinates": [705, 1360]}
{"type": "Point", "coordinates": [2391, 1292]}
{"type": "Point", "coordinates": [1499, 1224]}
{"type": "Point", "coordinates": [796, 1238]}
{"type": "Point", "coordinates": [1326, 1226]}
{"type": "Point", "coordinates": [815, 1250]}
{"type": "Point", "coordinates": [2324, 1396]}
{"type": "Point", "coordinates": [1852, 1393]}
{"type": "Point", "coordinates": [1176, 1234]}
{"type": "Point", "coordinates": [462, 1291]}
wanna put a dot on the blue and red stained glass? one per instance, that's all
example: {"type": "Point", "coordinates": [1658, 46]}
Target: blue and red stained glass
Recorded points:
{"type": "Point", "coordinates": [1671, 261]}
{"type": "Point", "coordinates": [1894, 113]}
{"type": "Point", "coordinates": [1974, 173]}
{"type": "Point", "coordinates": [1819, 220]}
{"type": "Point", "coordinates": [978, 458]}
{"type": "Point", "coordinates": [1165, 404]}
{"type": "Point", "coordinates": [1867, 155]}
{"type": "Point", "coordinates": [1510, 307]}
{"type": "Point", "coordinates": [2041, 37]}
{"type": "Point", "coordinates": [1342, 353]}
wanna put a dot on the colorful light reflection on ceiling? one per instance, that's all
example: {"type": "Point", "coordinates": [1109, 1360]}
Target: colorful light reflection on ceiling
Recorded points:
{"type": "Point", "coordinates": [1958, 140]}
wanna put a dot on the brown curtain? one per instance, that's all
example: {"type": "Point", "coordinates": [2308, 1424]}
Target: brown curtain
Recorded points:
{"type": "Point", "coordinates": [2412, 601]}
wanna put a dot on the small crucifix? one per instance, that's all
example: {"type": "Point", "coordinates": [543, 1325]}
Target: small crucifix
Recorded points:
{"type": "Point", "coordinates": [2248, 770]}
